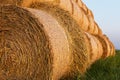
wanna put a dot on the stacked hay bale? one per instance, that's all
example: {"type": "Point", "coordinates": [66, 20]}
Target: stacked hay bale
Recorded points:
{"type": "Point", "coordinates": [83, 16]}
{"type": "Point", "coordinates": [108, 47]}
{"type": "Point", "coordinates": [54, 11]}
{"type": "Point", "coordinates": [35, 45]}
{"type": "Point", "coordinates": [50, 40]}
{"type": "Point", "coordinates": [86, 22]}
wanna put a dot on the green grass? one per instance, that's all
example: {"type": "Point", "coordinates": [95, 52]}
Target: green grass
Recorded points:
{"type": "Point", "coordinates": [104, 69]}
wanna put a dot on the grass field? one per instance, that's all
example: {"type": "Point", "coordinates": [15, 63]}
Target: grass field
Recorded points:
{"type": "Point", "coordinates": [104, 69]}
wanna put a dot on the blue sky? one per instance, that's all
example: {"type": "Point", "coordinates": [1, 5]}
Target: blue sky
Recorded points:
{"type": "Point", "coordinates": [107, 15]}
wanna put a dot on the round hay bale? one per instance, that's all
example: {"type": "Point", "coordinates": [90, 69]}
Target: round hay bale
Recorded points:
{"type": "Point", "coordinates": [76, 37]}
{"type": "Point", "coordinates": [99, 31]}
{"type": "Point", "coordinates": [39, 45]}
{"type": "Point", "coordinates": [89, 49]}
{"type": "Point", "coordinates": [95, 28]}
{"type": "Point", "coordinates": [112, 48]}
{"type": "Point", "coordinates": [91, 25]}
{"type": "Point", "coordinates": [96, 50]}
{"type": "Point", "coordinates": [80, 13]}
{"type": "Point", "coordinates": [90, 40]}
{"type": "Point", "coordinates": [89, 14]}
{"type": "Point", "coordinates": [86, 22]}
{"type": "Point", "coordinates": [105, 44]}
{"type": "Point", "coordinates": [24, 46]}
{"type": "Point", "coordinates": [84, 7]}
{"type": "Point", "coordinates": [59, 43]}
{"type": "Point", "coordinates": [79, 16]}
{"type": "Point", "coordinates": [99, 47]}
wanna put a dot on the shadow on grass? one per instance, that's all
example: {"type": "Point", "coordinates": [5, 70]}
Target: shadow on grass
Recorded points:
{"type": "Point", "coordinates": [104, 69]}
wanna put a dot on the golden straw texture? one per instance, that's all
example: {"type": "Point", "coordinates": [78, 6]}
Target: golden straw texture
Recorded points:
{"type": "Point", "coordinates": [37, 48]}
{"type": "Point", "coordinates": [76, 8]}
{"type": "Point", "coordinates": [25, 51]}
